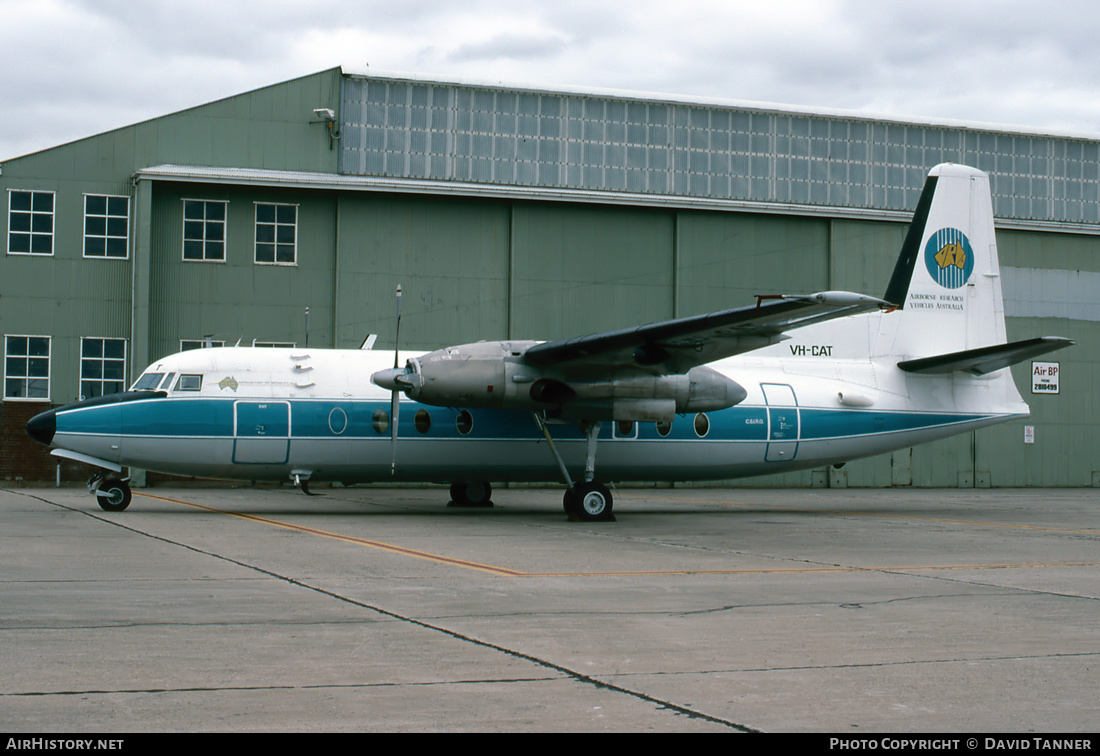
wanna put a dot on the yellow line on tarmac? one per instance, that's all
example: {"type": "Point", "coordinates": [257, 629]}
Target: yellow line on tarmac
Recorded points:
{"type": "Point", "coordinates": [508, 572]}
{"type": "Point", "coordinates": [350, 539]}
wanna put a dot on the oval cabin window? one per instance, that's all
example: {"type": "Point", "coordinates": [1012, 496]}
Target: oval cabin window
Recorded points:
{"type": "Point", "coordinates": [422, 421]}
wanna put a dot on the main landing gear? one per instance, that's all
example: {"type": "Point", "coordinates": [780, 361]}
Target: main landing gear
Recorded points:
{"type": "Point", "coordinates": [589, 501]}
{"type": "Point", "coordinates": [112, 494]}
{"type": "Point", "coordinates": [476, 493]}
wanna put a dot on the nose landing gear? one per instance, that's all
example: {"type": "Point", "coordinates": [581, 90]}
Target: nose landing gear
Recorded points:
{"type": "Point", "coordinates": [112, 494]}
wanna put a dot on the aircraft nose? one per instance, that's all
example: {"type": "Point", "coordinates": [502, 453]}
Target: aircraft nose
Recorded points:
{"type": "Point", "coordinates": [42, 426]}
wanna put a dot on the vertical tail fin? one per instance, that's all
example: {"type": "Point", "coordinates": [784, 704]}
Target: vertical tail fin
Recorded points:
{"type": "Point", "coordinates": [947, 280]}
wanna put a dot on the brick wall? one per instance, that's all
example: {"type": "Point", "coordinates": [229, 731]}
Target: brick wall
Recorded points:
{"type": "Point", "coordinates": [22, 457]}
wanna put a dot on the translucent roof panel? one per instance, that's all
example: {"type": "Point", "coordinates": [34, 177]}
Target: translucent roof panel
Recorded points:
{"type": "Point", "coordinates": [426, 130]}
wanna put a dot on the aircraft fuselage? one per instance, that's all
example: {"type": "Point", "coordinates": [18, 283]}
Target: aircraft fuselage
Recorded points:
{"type": "Point", "coordinates": [253, 414]}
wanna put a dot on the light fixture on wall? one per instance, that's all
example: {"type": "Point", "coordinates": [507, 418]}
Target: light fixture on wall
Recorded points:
{"type": "Point", "coordinates": [328, 117]}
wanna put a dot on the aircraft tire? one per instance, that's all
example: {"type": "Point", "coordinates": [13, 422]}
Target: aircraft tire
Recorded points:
{"type": "Point", "coordinates": [592, 502]}
{"type": "Point", "coordinates": [113, 495]}
{"type": "Point", "coordinates": [569, 502]}
{"type": "Point", "coordinates": [477, 493]}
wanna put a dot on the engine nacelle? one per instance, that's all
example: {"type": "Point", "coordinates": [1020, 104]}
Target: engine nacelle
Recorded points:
{"type": "Point", "coordinates": [493, 374]}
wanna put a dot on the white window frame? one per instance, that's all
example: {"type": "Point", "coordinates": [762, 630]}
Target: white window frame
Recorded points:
{"type": "Point", "coordinates": [274, 344]}
{"type": "Point", "coordinates": [204, 241]}
{"type": "Point", "coordinates": [102, 364]}
{"type": "Point", "coordinates": [275, 244]}
{"type": "Point", "coordinates": [27, 378]}
{"type": "Point", "coordinates": [187, 345]}
{"type": "Point", "coordinates": [31, 232]}
{"type": "Point", "coordinates": [106, 236]}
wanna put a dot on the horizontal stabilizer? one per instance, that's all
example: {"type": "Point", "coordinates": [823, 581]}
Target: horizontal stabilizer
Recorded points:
{"type": "Point", "coordinates": [985, 359]}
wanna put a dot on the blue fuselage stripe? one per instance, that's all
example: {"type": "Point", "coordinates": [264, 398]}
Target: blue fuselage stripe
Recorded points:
{"type": "Point", "coordinates": [216, 418]}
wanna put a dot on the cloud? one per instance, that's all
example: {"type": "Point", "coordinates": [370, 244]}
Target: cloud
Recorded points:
{"type": "Point", "coordinates": [80, 67]}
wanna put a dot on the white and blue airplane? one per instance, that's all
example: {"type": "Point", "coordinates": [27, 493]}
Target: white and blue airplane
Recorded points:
{"type": "Point", "coordinates": [792, 382]}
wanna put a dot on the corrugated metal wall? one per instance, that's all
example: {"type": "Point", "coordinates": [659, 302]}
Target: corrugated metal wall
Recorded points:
{"type": "Point", "coordinates": [525, 267]}
{"type": "Point", "coordinates": [427, 130]}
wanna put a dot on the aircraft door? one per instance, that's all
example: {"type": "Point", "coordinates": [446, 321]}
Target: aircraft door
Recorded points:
{"type": "Point", "coordinates": [261, 431]}
{"type": "Point", "coordinates": [783, 422]}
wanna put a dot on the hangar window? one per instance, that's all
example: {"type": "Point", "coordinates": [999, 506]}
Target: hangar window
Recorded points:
{"type": "Point", "coordinates": [102, 367]}
{"type": "Point", "coordinates": [276, 234]}
{"type": "Point", "coordinates": [106, 226]}
{"type": "Point", "coordinates": [186, 345]}
{"type": "Point", "coordinates": [204, 230]}
{"type": "Point", "coordinates": [30, 223]}
{"type": "Point", "coordinates": [27, 368]}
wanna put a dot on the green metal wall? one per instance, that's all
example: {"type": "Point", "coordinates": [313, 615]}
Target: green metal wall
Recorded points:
{"type": "Point", "coordinates": [67, 296]}
{"type": "Point", "coordinates": [238, 300]}
{"type": "Point", "coordinates": [478, 268]}
{"type": "Point", "coordinates": [487, 269]}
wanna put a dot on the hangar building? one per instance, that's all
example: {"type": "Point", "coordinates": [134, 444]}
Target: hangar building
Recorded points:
{"type": "Point", "coordinates": [517, 212]}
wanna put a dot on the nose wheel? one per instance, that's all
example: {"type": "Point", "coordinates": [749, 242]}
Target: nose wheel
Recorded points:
{"type": "Point", "coordinates": [113, 495]}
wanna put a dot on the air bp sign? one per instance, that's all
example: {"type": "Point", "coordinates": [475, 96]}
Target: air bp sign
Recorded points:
{"type": "Point", "coordinates": [1044, 377]}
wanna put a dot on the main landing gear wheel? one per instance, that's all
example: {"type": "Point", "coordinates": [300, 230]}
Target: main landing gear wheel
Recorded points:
{"type": "Point", "coordinates": [589, 502]}
{"type": "Point", "coordinates": [476, 493]}
{"type": "Point", "coordinates": [113, 495]}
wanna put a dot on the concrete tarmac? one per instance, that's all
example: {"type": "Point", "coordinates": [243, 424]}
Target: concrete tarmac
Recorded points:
{"type": "Point", "coordinates": [370, 609]}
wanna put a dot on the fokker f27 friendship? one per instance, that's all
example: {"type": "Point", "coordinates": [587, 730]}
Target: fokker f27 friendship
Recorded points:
{"type": "Point", "coordinates": [792, 382]}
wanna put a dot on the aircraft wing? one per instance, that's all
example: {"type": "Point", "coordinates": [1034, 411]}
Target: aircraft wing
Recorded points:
{"type": "Point", "coordinates": [676, 346]}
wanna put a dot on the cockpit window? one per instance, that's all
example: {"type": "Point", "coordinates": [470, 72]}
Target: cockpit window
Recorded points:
{"type": "Point", "coordinates": [167, 382]}
{"type": "Point", "coordinates": [189, 383]}
{"type": "Point", "coordinates": [147, 382]}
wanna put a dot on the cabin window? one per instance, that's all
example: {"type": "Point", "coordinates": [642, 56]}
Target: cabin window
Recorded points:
{"type": "Point", "coordinates": [380, 420]}
{"type": "Point", "coordinates": [189, 383]}
{"type": "Point", "coordinates": [702, 425]}
{"type": "Point", "coordinates": [106, 226]}
{"type": "Point", "coordinates": [422, 421]}
{"type": "Point", "coordinates": [464, 421]}
{"type": "Point", "coordinates": [27, 368]}
{"type": "Point", "coordinates": [102, 367]}
{"type": "Point", "coordinates": [664, 427]}
{"type": "Point", "coordinates": [204, 230]}
{"type": "Point", "coordinates": [30, 223]}
{"type": "Point", "coordinates": [276, 234]}
{"type": "Point", "coordinates": [624, 428]}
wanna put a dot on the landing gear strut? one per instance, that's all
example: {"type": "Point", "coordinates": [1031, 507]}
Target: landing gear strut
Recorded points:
{"type": "Point", "coordinates": [112, 494]}
{"type": "Point", "coordinates": [589, 501]}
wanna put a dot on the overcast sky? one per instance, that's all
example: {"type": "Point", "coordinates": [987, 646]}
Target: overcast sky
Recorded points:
{"type": "Point", "coordinates": [73, 68]}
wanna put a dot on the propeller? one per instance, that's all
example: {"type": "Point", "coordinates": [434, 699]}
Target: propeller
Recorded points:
{"type": "Point", "coordinates": [395, 395]}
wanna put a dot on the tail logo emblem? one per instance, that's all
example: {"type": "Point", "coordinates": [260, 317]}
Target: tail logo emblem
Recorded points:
{"type": "Point", "coordinates": [949, 257]}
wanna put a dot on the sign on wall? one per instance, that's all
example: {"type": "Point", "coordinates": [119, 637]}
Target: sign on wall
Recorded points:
{"type": "Point", "coordinates": [1044, 377]}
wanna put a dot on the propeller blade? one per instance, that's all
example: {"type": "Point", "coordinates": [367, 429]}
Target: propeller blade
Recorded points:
{"type": "Point", "coordinates": [395, 396]}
